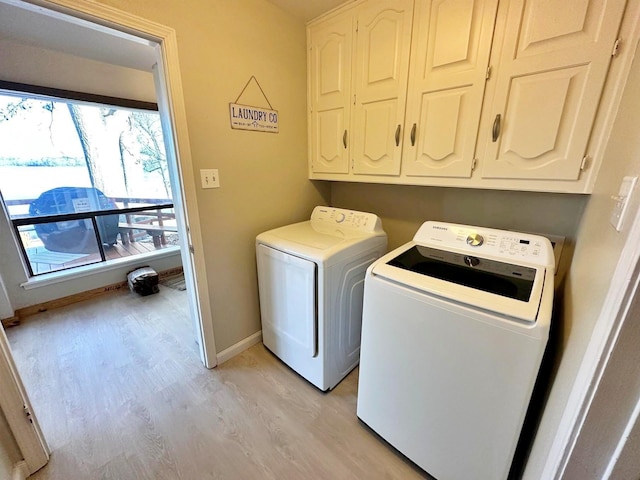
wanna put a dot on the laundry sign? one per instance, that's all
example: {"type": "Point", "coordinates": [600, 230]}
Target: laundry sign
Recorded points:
{"type": "Point", "coordinates": [245, 117]}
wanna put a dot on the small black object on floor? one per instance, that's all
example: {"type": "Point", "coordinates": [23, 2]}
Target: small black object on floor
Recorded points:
{"type": "Point", "coordinates": [143, 281]}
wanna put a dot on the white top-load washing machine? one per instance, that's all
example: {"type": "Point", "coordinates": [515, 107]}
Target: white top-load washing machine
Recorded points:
{"type": "Point", "coordinates": [455, 325]}
{"type": "Point", "coordinates": [311, 283]}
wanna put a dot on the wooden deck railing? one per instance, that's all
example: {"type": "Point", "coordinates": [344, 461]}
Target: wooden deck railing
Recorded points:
{"type": "Point", "coordinates": [149, 221]}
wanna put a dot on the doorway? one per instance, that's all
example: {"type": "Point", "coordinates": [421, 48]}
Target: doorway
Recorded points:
{"type": "Point", "coordinates": [105, 38]}
{"type": "Point", "coordinates": [103, 31]}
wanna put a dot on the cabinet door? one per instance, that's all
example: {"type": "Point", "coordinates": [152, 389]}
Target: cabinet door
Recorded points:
{"type": "Point", "coordinates": [551, 70]}
{"type": "Point", "coordinates": [381, 70]}
{"type": "Point", "coordinates": [450, 54]}
{"type": "Point", "coordinates": [330, 53]}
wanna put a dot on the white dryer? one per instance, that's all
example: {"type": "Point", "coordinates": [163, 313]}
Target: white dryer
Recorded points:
{"type": "Point", "coordinates": [455, 325]}
{"type": "Point", "coordinates": [311, 283]}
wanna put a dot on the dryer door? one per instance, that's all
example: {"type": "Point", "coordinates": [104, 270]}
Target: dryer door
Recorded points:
{"type": "Point", "coordinates": [287, 303]}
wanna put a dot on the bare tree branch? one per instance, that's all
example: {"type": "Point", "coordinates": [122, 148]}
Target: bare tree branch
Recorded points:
{"type": "Point", "coordinates": [13, 109]}
{"type": "Point", "coordinates": [89, 157]}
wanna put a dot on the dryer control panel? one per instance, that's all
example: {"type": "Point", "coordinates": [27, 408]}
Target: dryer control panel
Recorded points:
{"type": "Point", "coordinates": [499, 244]}
{"type": "Point", "coordinates": [354, 220]}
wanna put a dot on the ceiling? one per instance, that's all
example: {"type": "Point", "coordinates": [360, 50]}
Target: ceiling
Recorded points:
{"type": "Point", "coordinates": [38, 27]}
{"type": "Point", "coordinates": [307, 9]}
{"type": "Point", "coordinates": [31, 25]}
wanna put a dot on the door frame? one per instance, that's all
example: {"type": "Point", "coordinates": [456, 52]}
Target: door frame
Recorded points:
{"type": "Point", "coordinates": [15, 406]}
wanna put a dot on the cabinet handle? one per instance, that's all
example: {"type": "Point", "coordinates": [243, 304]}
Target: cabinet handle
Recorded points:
{"type": "Point", "coordinates": [344, 139]}
{"type": "Point", "coordinates": [397, 135]}
{"type": "Point", "coordinates": [413, 135]}
{"type": "Point", "coordinates": [495, 132]}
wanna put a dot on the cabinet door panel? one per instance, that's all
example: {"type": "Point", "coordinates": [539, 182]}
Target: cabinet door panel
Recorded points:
{"type": "Point", "coordinates": [575, 22]}
{"type": "Point", "coordinates": [532, 146]}
{"type": "Point", "coordinates": [550, 77]}
{"type": "Point", "coordinates": [439, 148]}
{"type": "Point", "coordinates": [378, 135]}
{"type": "Point", "coordinates": [329, 147]}
{"type": "Point", "coordinates": [452, 44]}
{"type": "Point", "coordinates": [330, 87]}
{"type": "Point", "coordinates": [382, 52]}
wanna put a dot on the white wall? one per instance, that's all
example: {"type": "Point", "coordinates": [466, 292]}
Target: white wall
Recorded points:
{"type": "Point", "coordinates": [6, 310]}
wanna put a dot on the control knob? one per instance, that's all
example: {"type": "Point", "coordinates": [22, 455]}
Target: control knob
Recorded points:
{"type": "Point", "coordinates": [471, 261]}
{"type": "Point", "coordinates": [475, 240]}
{"type": "Point", "coordinates": [340, 217]}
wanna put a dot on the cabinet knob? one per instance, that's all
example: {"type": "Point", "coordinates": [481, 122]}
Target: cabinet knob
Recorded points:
{"type": "Point", "coordinates": [344, 139]}
{"type": "Point", "coordinates": [413, 135]}
{"type": "Point", "coordinates": [495, 132]}
{"type": "Point", "coordinates": [397, 135]}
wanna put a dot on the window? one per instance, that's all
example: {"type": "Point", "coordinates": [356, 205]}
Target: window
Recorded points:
{"type": "Point", "coordinates": [83, 182]}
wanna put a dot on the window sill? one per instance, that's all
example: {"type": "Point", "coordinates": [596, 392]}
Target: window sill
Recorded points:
{"type": "Point", "coordinates": [84, 271]}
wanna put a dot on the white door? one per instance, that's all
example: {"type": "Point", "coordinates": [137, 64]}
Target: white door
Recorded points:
{"type": "Point", "coordinates": [550, 75]}
{"type": "Point", "coordinates": [287, 287]}
{"type": "Point", "coordinates": [381, 71]}
{"type": "Point", "coordinates": [329, 94]}
{"type": "Point", "coordinates": [450, 53]}
{"type": "Point", "coordinates": [17, 409]}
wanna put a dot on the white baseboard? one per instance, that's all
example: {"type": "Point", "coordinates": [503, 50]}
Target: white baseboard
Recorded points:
{"type": "Point", "coordinates": [239, 347]}
{"type": "Point", "coordinates": [20, 471]}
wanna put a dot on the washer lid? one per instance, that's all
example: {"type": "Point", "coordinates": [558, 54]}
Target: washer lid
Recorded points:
{"type": "Point", "coordinates": [511, 289]}
{"type": "Point", "coordinates": [492, 276]}
{"type": "Point", "coordinates": [323, 244]}
{"type": "Point", "coordinates": [308, 235]}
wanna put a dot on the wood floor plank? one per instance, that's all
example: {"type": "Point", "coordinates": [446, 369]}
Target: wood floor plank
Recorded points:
{"type": "Point", "coordinates": [120, 392]}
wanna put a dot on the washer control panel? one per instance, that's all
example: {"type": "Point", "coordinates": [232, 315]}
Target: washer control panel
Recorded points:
{"type": "Point", "coordinates": [502, 244]}
{"type": "Point", "coordinates": [354, 220]}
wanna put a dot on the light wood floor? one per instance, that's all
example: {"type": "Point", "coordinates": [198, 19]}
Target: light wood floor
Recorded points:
{"type": "Point", "coordinates": [121, 394]}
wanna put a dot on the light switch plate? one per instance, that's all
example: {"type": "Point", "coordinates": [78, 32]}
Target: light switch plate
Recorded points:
{"type": "Point", "coordinates": [622, 201]}
{"type": "Point", "coordinates": [210, 178]}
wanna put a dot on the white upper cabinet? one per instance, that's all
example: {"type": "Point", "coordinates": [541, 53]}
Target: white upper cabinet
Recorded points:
{"type": "Point", "coordinates": [451, 47]}
{"type": "Point", "coordinates": [330, 52]}
{"type": "Point", "coordinates": [501, 94]}
{"type": "Point", "coordinates": [381, 67]}
{"type": "Point", "coordinates": [358, 67]}
{"type": "Point", "coordinates": [550, 69]}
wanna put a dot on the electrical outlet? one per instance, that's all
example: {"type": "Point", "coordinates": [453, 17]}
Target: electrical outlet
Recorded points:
{"type": "Point", "coordinates": [622, 201]}
{"type": "Point", "coordinates": [210, 178]}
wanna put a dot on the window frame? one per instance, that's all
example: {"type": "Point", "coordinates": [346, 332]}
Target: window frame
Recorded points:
{"type": "Point", "coordinates": [41, 92]}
